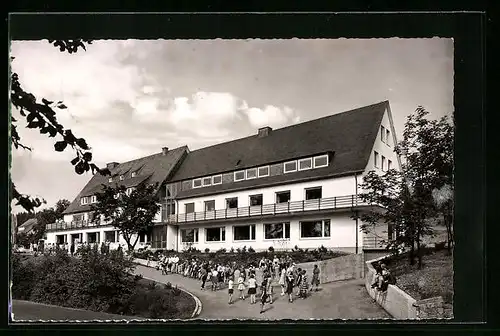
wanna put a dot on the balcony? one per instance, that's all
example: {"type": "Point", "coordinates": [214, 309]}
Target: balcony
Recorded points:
{"type": "Point", "coordinates": [374, 243]}
{"type": "Point", "coordinates": [332, 203]}
{"type": "Point", "coordinates": [60, 226]}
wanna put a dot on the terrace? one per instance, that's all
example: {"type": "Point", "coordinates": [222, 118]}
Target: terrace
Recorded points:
{"type": "Point", "coordinates": [285, 208]}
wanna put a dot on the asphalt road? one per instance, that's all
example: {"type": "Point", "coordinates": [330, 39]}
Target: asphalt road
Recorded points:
{"type": "Point", "coordinates": [31, 311]}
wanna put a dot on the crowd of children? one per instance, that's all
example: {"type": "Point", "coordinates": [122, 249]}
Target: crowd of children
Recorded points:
{"type": "Point", "coordinates": [254, 280]}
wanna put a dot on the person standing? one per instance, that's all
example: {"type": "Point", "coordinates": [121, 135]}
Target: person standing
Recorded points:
{"type": "Point", "coordinates": [236, 274]}
{"type": "Point", "coordinates": [252, 288]}
{"type": "Point", "coordinates": [298, 278]}
{"type": "Point", "coordinates": [282, 281]}
{"type": "Point", "coordinates": [303, 285]}
{"type": "Point", "coordinates": [269, 288]}
{"type": "Point", "coordinates": [289, 286]}
{"type": "Point", "coordinates": [241, 287]}
{"type": "Point", "coordinates": [315, 278]}
{"type": "Point", "coordinates": [72, 248]}
{"type": "Point", "coordinates": [230, 285]}
{"type": "Point", "coordinates": [204, 275]}
{"type": "Point", "coordinates": [263, 297]}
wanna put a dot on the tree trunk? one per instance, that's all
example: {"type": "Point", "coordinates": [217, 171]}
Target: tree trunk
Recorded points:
{"type": "Point", "coordinates": [419, 252]}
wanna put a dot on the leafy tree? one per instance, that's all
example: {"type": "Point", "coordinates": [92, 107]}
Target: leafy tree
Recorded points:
{"type": "Point", "coordinates": [61, 206]}
{"type": "Point", "coordinates": [131, 213]}
{"type": "Point", "coordinates": [427, 147]}
{"type": "Point", "coordinates": [420, 191]}
{"type": "Point", "coordinates": [42, 116]}
{"type": "Point", "coordinates": [44, 217]}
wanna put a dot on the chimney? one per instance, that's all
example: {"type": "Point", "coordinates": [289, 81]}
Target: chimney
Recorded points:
{"type": "Point", "coordinates": [264, 131]}
{"type": "Point", "coordinates": [164, 150]}
{"type": "Point", "coordinates": [111, 165]}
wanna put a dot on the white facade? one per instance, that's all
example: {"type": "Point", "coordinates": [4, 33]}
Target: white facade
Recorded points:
{"type": "Point", "coordinates": [342, 234]}
{"type": "Point", "coordinates": [331, 187]}
{"type": "Point", "coordinates": [82, 236]}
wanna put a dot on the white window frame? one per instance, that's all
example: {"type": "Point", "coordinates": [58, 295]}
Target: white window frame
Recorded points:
{"type": "Point", "coordinates": [93, 199]}
{"type": "Point", "coordinates": [387, 136]}
{"type": "Point", "coordinates": [284, 231]}
{"type": "Point", "coordinates": [249, 227]}
{"type": "Point", "coordinates": [290, 171]}
{"type": "Point", "coordinates": [240, 171]}
{"type": "Point", "coordinates": [196, 236]}
{"type": "Point", "coordinates": [389, 164]}
{"type": "Point", "coordinates": [304, 160]}
{"type": "Point", "coordinates": [213, 179]}
{"type": "Point", "coordinates": [134, 174]}
{"type": "Point", "coordinates": [84, 200]}
{"type": "Point", "coordinates": [122, 177]}
{"type": "Point", "coordinates": [201, 183]}
{"type": "Point", "coordinates": [382, 133]}
{"type": "Point", "coordinates": [320, 157]}
{"type": "Point", "coordinates": [110, 180]}
{"type": "Point", "coordinates": [129, 191]}
{"type": "Point", "coordinates": [322, 230]}
{"type": "Point", "coordinates": [382, 163]}
{"type": "Point", "coordinates": [262, 175]}
{"type": "Point", "coordinates": [375, 159]}
{"type": "Point", "coordinates": [251, 169]}
{"type": "Point", "coordinates": [221, 229]}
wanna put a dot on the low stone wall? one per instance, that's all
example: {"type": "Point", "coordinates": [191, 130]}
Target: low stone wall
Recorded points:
{"type": "Point", "coordinates": [400, 304]}
{"type": "Point", "coordinates": [341, 268]}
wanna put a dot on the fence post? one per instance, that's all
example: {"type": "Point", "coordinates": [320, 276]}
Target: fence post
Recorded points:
{"type": "Point", "coordinates": [274, 208]}
{"type": "Point", "coordinates": [288, 206]}
{"type": "Point", "coordinates": [335, 202]}
{"type": "Point", "coordinates": [303, 205]}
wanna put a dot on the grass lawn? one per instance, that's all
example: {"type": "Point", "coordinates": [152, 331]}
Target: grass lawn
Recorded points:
{"type": "Point", "coordinates": [434, 279]}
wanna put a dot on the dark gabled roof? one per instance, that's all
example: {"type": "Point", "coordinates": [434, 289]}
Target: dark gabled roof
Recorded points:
{"type": "Point", "coordinates": [29, 224]}
{"type": "Point", "coordinates": [349, 135]}
{"type": "Point", "coordinates": [155, 168]}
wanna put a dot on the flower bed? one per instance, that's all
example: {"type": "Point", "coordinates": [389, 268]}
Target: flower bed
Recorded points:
{"type": "Point", "coordinates": [245, 256]}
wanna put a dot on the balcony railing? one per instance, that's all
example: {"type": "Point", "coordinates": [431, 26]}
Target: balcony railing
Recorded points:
{"type": "Point", "coordinates": [373, 242]}
{"type": "Point", "coordinates": [331, 203]}
{"type": "Point", "coordinates": [71, 225]}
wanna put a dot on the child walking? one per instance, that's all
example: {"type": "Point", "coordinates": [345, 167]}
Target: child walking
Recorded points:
{"type": "Point", "coordinates": [230, 285]}
{"type": "Point", "coordinates": [303, 285]}
{"type": "Point", "coordinates": [263, 297]}
{"type": "Point", "coordinates": [282, 281]}
{"type": "Point", "coordinates": [241, 287]}
{"type": "Point", "coordinates": [252, 288]}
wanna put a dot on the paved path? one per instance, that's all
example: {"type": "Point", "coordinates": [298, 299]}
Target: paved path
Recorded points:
{"type": "Point", "coordinates": [338, 300]}
{"type": "Point", "coordinates": [32, 311]}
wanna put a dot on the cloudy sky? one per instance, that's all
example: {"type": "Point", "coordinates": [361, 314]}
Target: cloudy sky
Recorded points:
{"type": "Point", "coordinates": [130, 98]}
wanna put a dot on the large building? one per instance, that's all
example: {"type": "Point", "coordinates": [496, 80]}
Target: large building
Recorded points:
{"type": "Point", "coordinates": [293, 186]}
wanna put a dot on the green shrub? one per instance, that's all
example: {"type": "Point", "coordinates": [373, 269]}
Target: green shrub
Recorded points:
{"type": "Point", "coordinates": [251, 250]}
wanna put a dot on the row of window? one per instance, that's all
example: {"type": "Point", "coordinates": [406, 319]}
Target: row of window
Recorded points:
{"type": "Point", "coordinates": [94, 237]}
{"type": "Point", "coordinates": [257, 200]}
{"type": "Point", "coordinates": [88, 200]}
{"type": "Point", "coordinates": [385, 164]}
{"type": "Point", "coordinates": [122, 177]}
{"type": "Point", "coordinates": [384, 135]}
{"type": "Point", "coordinates": [93, 199]}
{"type": "Point", "coordinates": [308, 229]}
{"type": "Point", "coordinates": [252, 173]}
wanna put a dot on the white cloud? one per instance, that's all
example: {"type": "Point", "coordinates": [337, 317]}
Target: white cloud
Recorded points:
{"type": "Point", "coordinates": [271, 116]}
